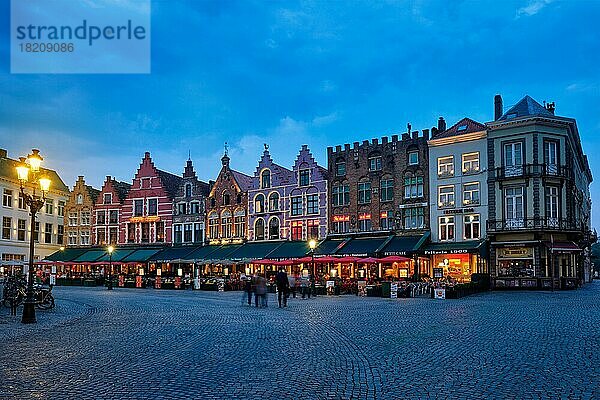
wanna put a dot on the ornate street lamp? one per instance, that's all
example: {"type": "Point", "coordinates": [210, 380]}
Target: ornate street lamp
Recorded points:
{"type": "Point", "coordinates": [312, 243]}
{"type": "Point", "coordinates": [110, 267]}
{"type": "Point", "coordinates": [35, 202]}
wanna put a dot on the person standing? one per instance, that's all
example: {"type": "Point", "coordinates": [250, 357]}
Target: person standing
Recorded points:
{"type": "Point", "coordinates": [248, 289]}
{"type": "Point", "coordinates": [260, 292]}
{"type": "Point", "coordinates": [283, 285]}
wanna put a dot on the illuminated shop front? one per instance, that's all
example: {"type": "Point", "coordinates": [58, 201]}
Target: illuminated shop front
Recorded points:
{"type": "Point", "coordinates": [457, 261]}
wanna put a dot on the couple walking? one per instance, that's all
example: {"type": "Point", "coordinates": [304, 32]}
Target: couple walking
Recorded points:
{"type": "Point", "coordinates": [258, 286]}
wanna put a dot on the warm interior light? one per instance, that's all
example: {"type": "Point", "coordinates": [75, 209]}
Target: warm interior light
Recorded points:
{"type": "Point", "coordinates": [62, 248]}
{"type": "Point", "coordinates": [35, 160]}
{"type": "Point", "coordinates": [312, 244]}
{"type": "Point", "coordinates": [44, 184]}
{"type": "Point", "coordinates": [110, 249]}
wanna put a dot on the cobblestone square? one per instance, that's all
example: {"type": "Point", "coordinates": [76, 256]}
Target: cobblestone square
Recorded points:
{"type": "Point", "coordinates": [150, 344]}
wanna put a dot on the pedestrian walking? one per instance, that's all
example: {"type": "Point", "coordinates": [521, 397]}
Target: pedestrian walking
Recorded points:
{"type": "Point", "coordinates": [260, 292]}
{"type": "Point", "coordinates": [305, 287]}
{"type": "Point", "coordinates": [283, 285]}
{"type": "Point", "coordinates": [248, 289]}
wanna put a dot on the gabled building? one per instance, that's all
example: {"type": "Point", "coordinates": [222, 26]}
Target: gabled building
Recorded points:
{"type": "Point", "coordinates": [380, 186]}
{"type": "Point", "coordinates": [147, 212]}
{"type": "Point", "coordinates": [107, 211]}
{"type": "Point", "coordinates": [189, 208]}
{"type": "Point", "coordinates": [539, 200]}
{"type": "Point", "coordinates": [14, 216]}
{"type": "Point", "coordinates": [227, 205]}
{"type": "Point", "coordinates": [79, 212]}
{"type": "Point", "coordinates": [459, 204]}
{"type": "Point", "coordinates": [288, 204]}
{"type": "Point", "coordinates": [308, 200]}
{"type": "Point", "coordinates": [267, 206]}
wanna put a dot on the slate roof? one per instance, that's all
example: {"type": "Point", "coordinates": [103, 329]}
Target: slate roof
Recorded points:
{"type": "Point", "coordinates": [93, 193]}
{"type": "Point", "coordinates": [526, 107]}
{"type": "Point", "coordinates": [170, 182]}
{"type": "Point", "coordinates": [8, 170]}
{"type": "Point", "coordinates": [243, 180]}
{"type": "Point", "coordinates": [466, 125]}
{"type": "Point", "coordinates": [122, 188]}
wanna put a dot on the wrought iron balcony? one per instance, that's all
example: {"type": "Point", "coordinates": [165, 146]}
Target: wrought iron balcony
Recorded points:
{"type": "Point", "coordinates": [536, 223]}
{"type": "Point", "coordinates": [533, 170]}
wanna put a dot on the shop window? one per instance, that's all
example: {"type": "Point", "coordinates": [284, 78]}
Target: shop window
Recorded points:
{"type": "Point", "coordinates": [446, 226]}
{"type": "Point", "coordinates": [471, 227]}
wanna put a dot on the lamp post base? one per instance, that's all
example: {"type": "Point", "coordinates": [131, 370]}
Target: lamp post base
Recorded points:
{"type": "Point", "coordinates": [28, 313]}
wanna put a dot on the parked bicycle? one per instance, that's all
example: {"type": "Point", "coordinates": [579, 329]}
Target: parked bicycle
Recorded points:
{"type": "Point", "coordinates": [14, 293]}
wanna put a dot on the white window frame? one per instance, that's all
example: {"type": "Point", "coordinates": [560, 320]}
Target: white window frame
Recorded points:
{"type": "Point", "coordinates": [446, 234]}
{"type": "Point", "coordinates": [446, 198]}
{"type": "Point", "coordinates": [470, 189]}
{"type": "Point", "coordinates": [470, 165]}
{"type": "Point", "coordinates": [472, 225]}
{"type": "Point", "coordinates": [445, 166]}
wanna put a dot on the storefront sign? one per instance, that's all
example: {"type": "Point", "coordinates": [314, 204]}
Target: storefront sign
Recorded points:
{"type": "Point", "coordinates": [515, 252]}
{"type": "Point", "coordinates": [438, 272]}
{"type": "Point", "coordinates": [439, 294]}
{"type": "Point", "coordinates": [394, 290]}
{"type": "Point", "coordinates": [151, 218]}
{"type": "Point", "coordinates": [459, 211]}
{"type": "Point", "coordinates": [435, 252]}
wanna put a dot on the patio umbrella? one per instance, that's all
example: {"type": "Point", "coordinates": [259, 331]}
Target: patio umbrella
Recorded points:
{"type": "Point", "coordinates": [368, 260]}
{"type": "Point", "coordinates": [303, 260]}
{"type": "Point", "coordinates": [284, 262]}
{"type": "Point", "coordinates": [347, 259]}
{"type": "Point", "coordinates": [264, 261]}
{"type": "Point", "coordinates": [393, 259]}
{"type": "Point", "coordinates": [326, 259]}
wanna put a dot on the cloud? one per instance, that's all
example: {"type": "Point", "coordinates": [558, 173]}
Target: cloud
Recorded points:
{"type": "Point", "coordinates": [325, 119]}
{"type": "Point", "coordinates": [532, 8]}
{"type": "Point", "coordinates": [583, 87]}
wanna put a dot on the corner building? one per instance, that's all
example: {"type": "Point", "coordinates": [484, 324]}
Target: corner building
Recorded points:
{"type": "Point", "coordinates": [539, 223]}
{"type": "Point", "coordinates": [380, 186]}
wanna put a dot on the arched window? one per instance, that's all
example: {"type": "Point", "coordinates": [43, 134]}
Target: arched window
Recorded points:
{"type": "Point", "coordinates": [259, 203]}
{"type": "Point", "coordinates": [79, 199]}
{"type": "Point", "coordinates": [265, 179]}
{"type": "Point", "coordinates": [239, 220]}
{"type": "Point", "coordinates": [213, 225]}
{"type": "Point", "coordinates": [274, 228]}
{"type": "Point", "coordinates": [274, 201]}
{"type": "Point", "coordinates": [259, 229]}
{"type": "Point", "coordinates": [188, 190]}
{"type": "Point", "coordinates": [226, 224]}
{"type": "Point", "coordinates": [226, 199]}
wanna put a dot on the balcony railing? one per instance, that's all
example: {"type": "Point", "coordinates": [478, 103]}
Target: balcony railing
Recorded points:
{"type": "Point", "coordinates": [538, 223]}
{"type": "Point", "coordinates": [533, 170]}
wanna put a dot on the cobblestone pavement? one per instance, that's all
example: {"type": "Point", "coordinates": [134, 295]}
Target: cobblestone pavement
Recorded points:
{"type": "Point", "coordinates": [147, 344]}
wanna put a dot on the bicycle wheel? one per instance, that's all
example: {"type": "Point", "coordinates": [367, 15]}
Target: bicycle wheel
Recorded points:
{"type": "Point", "coordinates": [47, 303]}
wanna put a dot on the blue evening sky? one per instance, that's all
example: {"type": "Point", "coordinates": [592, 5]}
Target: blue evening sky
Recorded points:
{"type": "Point", "coordinates": [287, 73]}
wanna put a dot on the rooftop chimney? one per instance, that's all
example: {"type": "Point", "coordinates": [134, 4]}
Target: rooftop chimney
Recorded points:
{"type": "Point", "coordinates": [550, 107]}
{"type": "Point", "coordinates": [498, 110]}
{"type": "Point", "coordinates": [3, 153]}
{"type": "Point", "coordinates": [441, 124]}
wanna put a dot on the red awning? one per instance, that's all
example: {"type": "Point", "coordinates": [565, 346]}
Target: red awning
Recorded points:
{"type": "Point", "coordinates": [306, 259]}
{"type": "Point", "coordinates": [562, 246]}
{"type": "Point", "coordinates": [368, 260]}
{"type": "Point", "coordinates": [326, 259]}
{"type": "Point", "coordinates": [264, 261]}
{"type": "Point", "coordinates": [393, 259]}
{"type": "Point", "coordinates": [347, 259]}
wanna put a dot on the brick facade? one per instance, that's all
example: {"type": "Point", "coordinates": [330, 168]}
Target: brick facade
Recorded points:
{"type": "Point", "coordinates": [79, 213]}
{"type": "Point", "coordinates": [376, 164]}
{"type": "Point", "coordinates": [107, 211]}
{"type": "Point", "coordinates": [189, 208]}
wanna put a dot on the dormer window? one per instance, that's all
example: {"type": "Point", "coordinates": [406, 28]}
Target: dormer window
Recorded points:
{"type": "Point", "coordinates": [265, 179]}
{"type": "Point", "coordinates": [188, 190]}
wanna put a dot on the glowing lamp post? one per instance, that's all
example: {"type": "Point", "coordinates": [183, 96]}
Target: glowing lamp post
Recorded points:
{"type": "Point", "coordinates": [35, 202]}
{"type": "Point", "coordinates": [312, 243]}
{"type": "Point", "coordinates": [110, 250]}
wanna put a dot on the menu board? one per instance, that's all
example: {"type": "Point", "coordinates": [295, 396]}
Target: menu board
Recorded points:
{"type": "Point", "coordinates": [438, 272]}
